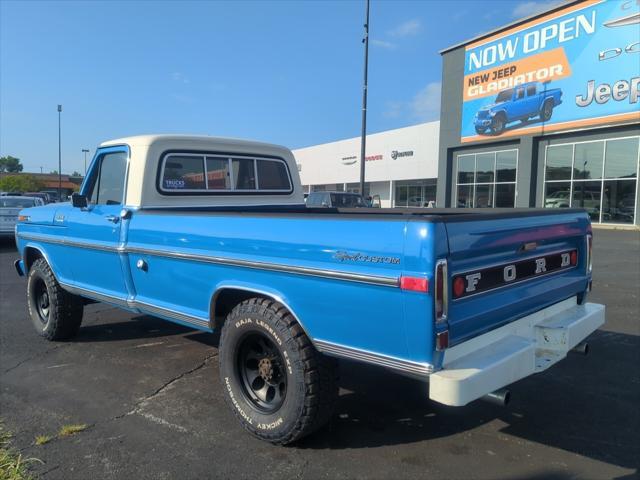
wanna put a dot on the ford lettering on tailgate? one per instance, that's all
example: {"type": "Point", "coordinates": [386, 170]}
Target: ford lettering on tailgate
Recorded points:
{"type": "Point", "coordinates": [478, 281]}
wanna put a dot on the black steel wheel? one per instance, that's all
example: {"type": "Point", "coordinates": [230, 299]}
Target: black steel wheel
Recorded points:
{"type": "Point", "coordinates": [262, 372]}
{"type": "Point", "coordinates": [42, 300]}
{"type": "Point", "coordinates": [55, 313]}
{"type": "Point", "coordinates": [276, 383]}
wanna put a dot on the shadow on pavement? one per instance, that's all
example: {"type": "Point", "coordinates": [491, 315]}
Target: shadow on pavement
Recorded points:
{"type": "Point", "coordinates": [569, 407]}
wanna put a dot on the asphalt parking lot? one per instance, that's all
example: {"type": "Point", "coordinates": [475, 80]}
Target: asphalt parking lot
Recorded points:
{"type": "Point", "coordinates": [149, 392]}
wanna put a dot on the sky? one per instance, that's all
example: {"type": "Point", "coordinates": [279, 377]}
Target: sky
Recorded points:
{"type": "Point", "coordinates": [285, 72]}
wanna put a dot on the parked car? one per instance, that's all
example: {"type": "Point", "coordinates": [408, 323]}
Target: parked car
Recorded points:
{"type": "Point", "coordinates": [41, 195]}
{"type": "Point", "coordinates": [53, 195]}
{"type": "Point", "coordinates": [587, 199]}
{"type": "Point", "coordinates": [10, 207]}
{"type": "Point", "coordinates": [336, 200]}
{"type": "Point", "coordinates": [469, 301]}
{"type": "Point", "coordinates": [518, 103]}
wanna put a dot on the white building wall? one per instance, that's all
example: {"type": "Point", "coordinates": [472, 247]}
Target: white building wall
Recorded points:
{"type": "Point", "coordinates": [339, 162]}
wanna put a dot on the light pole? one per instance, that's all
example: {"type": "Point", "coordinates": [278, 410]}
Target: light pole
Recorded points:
{"type": "Point", "coordinates": [59, 156]}
{"type": "Point", "coordinates": [363, 141]}
{"type": "Point", "coordinates": [85, 151]}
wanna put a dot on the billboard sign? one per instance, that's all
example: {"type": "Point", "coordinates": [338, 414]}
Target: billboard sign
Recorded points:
{"type": "Point", "coordinates": [573, 68]}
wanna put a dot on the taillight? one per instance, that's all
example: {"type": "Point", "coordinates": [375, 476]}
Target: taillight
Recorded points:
{"type": "Point", "coordinates": [440, 291]}
{"type": "Point", "coordinates": [589, 253]}
{"type": "Point", "coordinates": [573, 258]}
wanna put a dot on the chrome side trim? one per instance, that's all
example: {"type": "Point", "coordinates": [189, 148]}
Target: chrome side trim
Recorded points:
{"type": "Point", "coordinates": [414, 369]}
{"type": "Point", "coordinates": [102, 297]}
{"type": "Point", "coordinates": [70, 243]}
{"type": "Point", "coordinates": [142, 306]}
{"type": "Point", "coordinates": [275, 267]}
{"type": "Point", "coordinates": [201, 322]}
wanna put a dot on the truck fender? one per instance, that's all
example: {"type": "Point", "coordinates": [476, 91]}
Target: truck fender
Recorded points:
{"type": "Point", "coordinates": [228, 295]}
{"type": "Point", "coordinates": [31, 253]}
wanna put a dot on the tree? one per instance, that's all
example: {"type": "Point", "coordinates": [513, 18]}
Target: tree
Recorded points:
{"type": "Point", "coordinates": [54, 172]}
{"type": "Point", "coordinates": [76, 174]}
{"type": "Point", "coordinates": [10, 164]}
{"type": "Point", "coordinates": [20, 183]}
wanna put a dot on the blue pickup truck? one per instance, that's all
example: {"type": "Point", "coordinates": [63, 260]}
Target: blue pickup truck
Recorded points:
{"type": "Point", "coordinates": [213, 233]}
{"type": "Point", "coordinates": [519, 103]}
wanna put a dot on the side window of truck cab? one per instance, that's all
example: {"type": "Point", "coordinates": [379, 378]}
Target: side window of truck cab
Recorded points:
{"type": "Point", "coordinates": [106, 185]}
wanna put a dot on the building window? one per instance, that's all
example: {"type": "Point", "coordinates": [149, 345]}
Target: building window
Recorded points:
{"type": "Point", "coordinates": [599, 176]}
{"type": "Point", "coordinates": [415, 193]}
{"type": "Point", "coordinates": [487, 179]}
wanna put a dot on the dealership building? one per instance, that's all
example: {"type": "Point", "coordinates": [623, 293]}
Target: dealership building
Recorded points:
{"type": "Point", "coordinates": [401, 166]}
{"type": "Point", "coordinates": [545, 112]}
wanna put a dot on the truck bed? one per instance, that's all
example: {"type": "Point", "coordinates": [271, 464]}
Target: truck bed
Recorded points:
{"type": "Point", "coordinates": [435, 214]}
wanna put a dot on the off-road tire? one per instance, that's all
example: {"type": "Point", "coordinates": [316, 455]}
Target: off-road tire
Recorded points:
{"type": "Point", "coordinates": [481, 130]}
{"type": "Point", "coordinates": [498, 123]}
{"type": "Point", "coordinates": [311, 378]}
{"type": "Point", "coordinates": [547, 111]}
{"type": "Point", "coordinates": [64, 311]}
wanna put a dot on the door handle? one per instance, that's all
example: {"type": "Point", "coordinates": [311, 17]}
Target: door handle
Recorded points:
{"type": "Point", "coordinates": [112, 218]}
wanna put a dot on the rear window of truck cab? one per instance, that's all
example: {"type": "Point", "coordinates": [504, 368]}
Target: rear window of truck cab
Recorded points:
{"type": "Point", "coordinates": [189, 173]}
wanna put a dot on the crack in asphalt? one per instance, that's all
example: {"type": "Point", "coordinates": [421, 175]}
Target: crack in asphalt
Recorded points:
{"type": "Point", "coordinates": [37, 355]}
{"type": "Point", "coordinates": [137, 407]}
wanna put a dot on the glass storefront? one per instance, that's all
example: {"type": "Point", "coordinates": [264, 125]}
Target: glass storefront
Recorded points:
{"type": "Point", "coordinates": [415, 193]}
{"type": "Point", "coordinates": [599, 176]}
{"type": "Point", "coordinates": [487, 179]}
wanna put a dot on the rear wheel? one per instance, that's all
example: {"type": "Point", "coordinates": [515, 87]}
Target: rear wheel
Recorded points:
{"type": "Point", "coordinates": [55, 313]}
{"type": "Point", "coordinates": [276, 383]}
{"type": "Point", "coordinates": [547, 111]}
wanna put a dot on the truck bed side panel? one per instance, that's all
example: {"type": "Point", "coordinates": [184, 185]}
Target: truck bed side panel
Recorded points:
{"type": "Point", "coordinates": [361, 314]}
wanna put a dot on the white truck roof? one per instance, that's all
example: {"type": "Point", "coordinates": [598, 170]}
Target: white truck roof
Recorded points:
{"type": "Point", "coordinates": [147, 152]}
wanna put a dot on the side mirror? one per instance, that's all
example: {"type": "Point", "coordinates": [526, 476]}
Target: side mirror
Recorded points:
{"type": "Point", "coordinates": [79, 201]}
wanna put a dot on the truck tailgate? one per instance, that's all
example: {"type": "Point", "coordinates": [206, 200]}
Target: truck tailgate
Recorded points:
{"type": "Point", "coordinates": [505, 266]}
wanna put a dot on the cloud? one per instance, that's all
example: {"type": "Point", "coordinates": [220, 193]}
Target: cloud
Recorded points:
{"type": "Point", "coordinates": [406, 29]}
{"type": "Point", "coordinates": [179, 77]}
{"type": "Point", "coordinates": [526, 9]}
{"type": "Point", "coordinates": [383, 44]}
{"type": "Point", "coordinates": [393, 109]}
{"type": "Point", "coordinates": [425, 105]}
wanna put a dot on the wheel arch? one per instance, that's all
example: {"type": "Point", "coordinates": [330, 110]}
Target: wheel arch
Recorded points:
{"type": "Point", "coordinates": [503, 113]}
{"type": "Point", "coordinates": [547, 100]}
{"type": "Point", "coordinates": [227, 296]}
{"type": "Point", "coordinates": [31, 254]}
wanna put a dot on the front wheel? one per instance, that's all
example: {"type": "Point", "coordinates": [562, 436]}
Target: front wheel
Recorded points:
{"type": "Point", "coordinates": [497, 124]}
{"type": "Point", "coordinates": [55, 313]}
{"type": "Point", "coordinates": [277, 384]}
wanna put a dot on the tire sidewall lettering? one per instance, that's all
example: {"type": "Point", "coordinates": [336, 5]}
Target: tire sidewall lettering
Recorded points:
{"type": "Point", "coordinates": [256, 420]}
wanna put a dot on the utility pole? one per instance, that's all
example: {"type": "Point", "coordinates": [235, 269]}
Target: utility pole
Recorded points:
{"type": "Point", "coordinates": [363, 141]}
{"type": "Point", "coordinates": [85, 151]}
{"type": "Point", "coordinates": [59, 156]}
